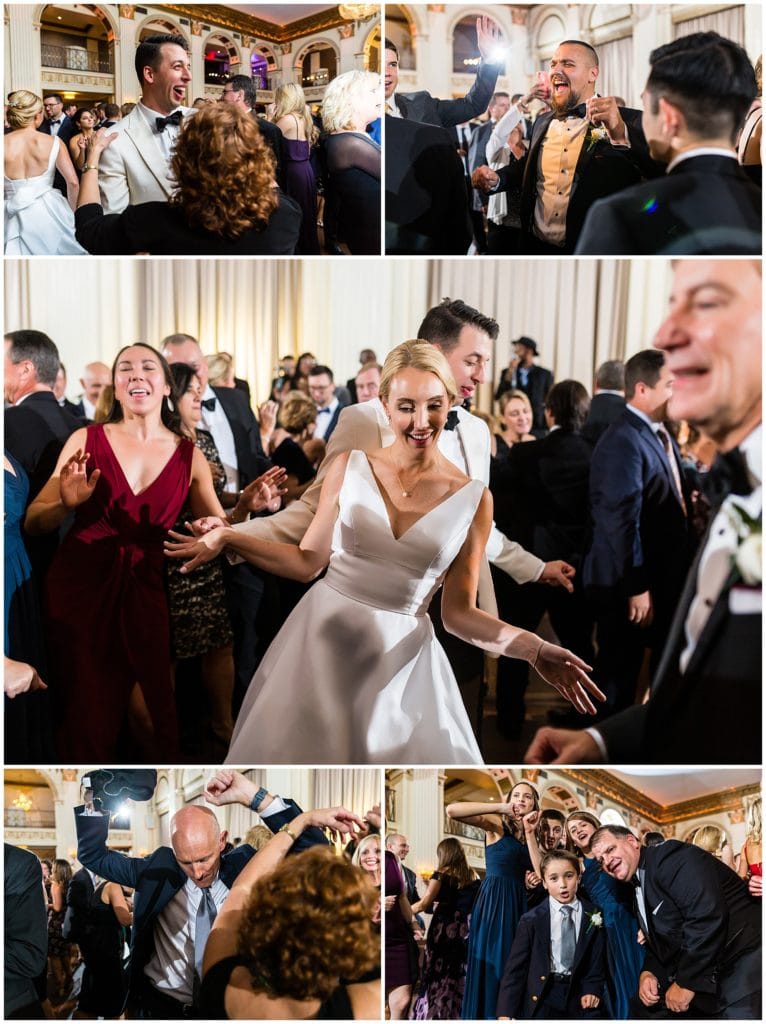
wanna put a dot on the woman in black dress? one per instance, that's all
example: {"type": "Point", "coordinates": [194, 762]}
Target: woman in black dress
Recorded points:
{"type": "Point", "coordinates": [352, 160]}
{"type": "Point", "coordinates": [59, 948]}
{"type": "Point", "coordinates": [294, 937]}
{"type": "Point", "coordinates": [104, 983]}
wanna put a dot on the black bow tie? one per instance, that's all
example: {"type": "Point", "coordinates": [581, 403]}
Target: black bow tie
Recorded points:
{"type": "Point", "coordinates": [57, 121]}
{"type": "Point", "coordinates": [175, 118]}
{"type": "Point", "coordinates": [578, 111]}
{"type": "Point", "coordinates": [728, 475]}
{"type": "Point", "coordinates": [209, 404]}
{"type": "Point", "coordinates": [452, 420]}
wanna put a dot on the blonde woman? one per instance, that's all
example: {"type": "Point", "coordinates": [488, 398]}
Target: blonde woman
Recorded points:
{"type": "Point", "coordinates": [292, 117]}
{"type": "Point", "coordinates": [38, 219]}
{"type": "Point", "coordinates": [750, 864]}
{"type": "Point", "coordinates": [397, 522]}
{"type": "Point", "coordinates": [352, 160]}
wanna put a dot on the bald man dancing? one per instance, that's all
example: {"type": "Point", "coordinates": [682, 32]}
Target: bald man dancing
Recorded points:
{"type": "Point", "coordinates": [179, 889]}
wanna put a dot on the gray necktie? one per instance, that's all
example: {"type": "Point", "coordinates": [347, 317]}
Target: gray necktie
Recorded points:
{"type": "Point", "coordinates": [205, 916]}
{"type": "Point", "coordinates": [670, 456]}
{"type": "Point", "coordinates": [567, 939]}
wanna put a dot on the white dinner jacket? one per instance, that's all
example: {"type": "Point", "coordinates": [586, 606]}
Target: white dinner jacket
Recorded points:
{"type": "Point", "coordinates": [133, 168]}
{"type": "Point", "coordinates": [364, 428]}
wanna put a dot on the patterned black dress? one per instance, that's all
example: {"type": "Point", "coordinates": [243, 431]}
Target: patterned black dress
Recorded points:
{"type": "Point", "coordinates": [199, 618]}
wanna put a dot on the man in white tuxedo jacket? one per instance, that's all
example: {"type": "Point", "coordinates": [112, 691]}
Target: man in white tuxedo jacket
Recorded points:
{"type": "Point", "coordinates": [135, 167]}
{"type": "Point", "coordinates": [465, 337]}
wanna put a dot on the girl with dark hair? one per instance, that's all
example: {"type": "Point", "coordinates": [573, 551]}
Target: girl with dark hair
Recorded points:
{"type": "Point", "coordinates": [511, 851]}
{"type": "Point", "coordinates": [107, 617]}
{"type": "Point", "coordinates": [85, 120]}
{"type": "Point", "coordinates": [59, 948]}
{"type": "Point", "coordinates": [453, 887]}
{"type": "Point", "coordinates": [615, 900]}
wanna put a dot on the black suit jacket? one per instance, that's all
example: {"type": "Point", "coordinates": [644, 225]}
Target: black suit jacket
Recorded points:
{"type": "Point", "coordinates": [35, 432]}
{"type": "Point", "coordinates": [26, 928]}
{"type": "Point", "coordinates": [605, 409]}
{"type": "Point", "coordinates": [602, 169]}
{"type": "Point", "coordinates": [539, 383]}
{"type": "Point", "coordinates": [157, 878]}
{"type": "Point", "coordinates": [274, 137]}
{"type": "Point", "coordinates": [251, 458]}
{"type": "Point", "coordinates": [526, 976]}
{"type": "Point", "coordinates": [422, 106]}
{"type": "Point", "coordinates": [706, 205]}
{"type": "Point", "coordinates": [703, 928]}
{"type": "Point", "coordinates": [66, 130]}
{"type": "Point", "coordinates": [426, 198]}
{"type": "Point", "coordinates": [75, 408]}
{"type": "Point", "coordinates": [78, 897]}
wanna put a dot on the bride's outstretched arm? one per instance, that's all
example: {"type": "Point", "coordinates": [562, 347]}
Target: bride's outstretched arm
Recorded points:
{"type": "Point", "coordinates": [295, 561]}
{"type": "Point", "coordinates": [557, 666]}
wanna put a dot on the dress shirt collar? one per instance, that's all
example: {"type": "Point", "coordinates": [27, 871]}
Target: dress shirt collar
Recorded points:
{"type": "Point", "coordinates": [556, 906]}
{"type": "Point", "coordinates": [751, 449]}
{"type": "Point", "coordinates": [700, 151]}
{"type": "Point", "coordinates": [642, 416]}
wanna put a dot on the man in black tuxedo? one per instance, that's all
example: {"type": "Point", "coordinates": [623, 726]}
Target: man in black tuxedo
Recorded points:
{"type": "Point", "coordinates": [329, 405]}
{"type": "Point", "coordinates": [706, 692]}
{"type": "Point", "coordinates": [57, 123]}
{"type": "Point", "coordinates": [698, 93]}
{"type": "Point", "coordinates": [523, 375]}
{"type": "Point", "coordinates": [95, 377]}
{"type": "Point", "coordinates": [702, 928]}
{"type": "Point", "coordinates": [26, 934]}
{"type": "Point", "coordinates": [608, 402]}
{"type": "Point", "coordinates": [59, 390]}
{"type": "Point", "coordinates": [79, 892]}
{"type": "Point", "coordinates": [499, 105]}
{"type": "Point", "coordinates": [423, 107]}
{"type": "Point", "coordinates": [640, 547]}
{"type": "Point", "coordinates": [227, 415]}
{"type": "Point", "coordinates": [585, 148]}
{"type": "Point", "coordinates": [179, 889]}
{"type": "Point", "coordinates": [240, 91]}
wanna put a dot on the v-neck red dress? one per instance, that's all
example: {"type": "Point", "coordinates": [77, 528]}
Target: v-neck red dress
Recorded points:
{"type": "Point", "coordinates": [107, 615]}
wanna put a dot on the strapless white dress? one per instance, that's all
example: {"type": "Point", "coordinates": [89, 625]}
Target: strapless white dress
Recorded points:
{"type": "Point", "coordinates": [38, 219]}
{"type": "Point", "coordinates": [356, 675]}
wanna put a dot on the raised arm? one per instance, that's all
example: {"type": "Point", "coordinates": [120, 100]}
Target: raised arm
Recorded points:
{"type": "Point", "coordinates": [65, 167]}
{"type": "Point", "coordinates": [295, 561]}
{"type": "Point", "coordinates": [93, 853]}
{"type": "Point", "coordinates": [424, 904]}
{"type": "Point", "coordinates": [67, 488]}
{"type": "Point", "coordinates": [485, 816]}
{"type": "Point", "coordinates": [462, 617]}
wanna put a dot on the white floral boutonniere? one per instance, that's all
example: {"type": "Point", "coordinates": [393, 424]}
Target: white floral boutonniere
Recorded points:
{"type": "Point", "coordinates": [747, 560]}
{"type": "Point", "coordinates": [595, 133]}
{"type": "Point", "coordinates": [595, 919]}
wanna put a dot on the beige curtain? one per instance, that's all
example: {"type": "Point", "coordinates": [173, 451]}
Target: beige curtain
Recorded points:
{"type": "Point", "coordinates": [616, 70]}
{"type": "Point", "coordinates": [729, 23]}
{"type": "Point", "coordinates": [357, 789]}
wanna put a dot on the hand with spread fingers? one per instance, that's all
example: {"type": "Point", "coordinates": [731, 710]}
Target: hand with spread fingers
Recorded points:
{"type": "Point", "coordinates": [567, 673]}
{"type": "Point", "coordinates": [74, 484]}
{"type": "Point", "coordinates": [197, 550]}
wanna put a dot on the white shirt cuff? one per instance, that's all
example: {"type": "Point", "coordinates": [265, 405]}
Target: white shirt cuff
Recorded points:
{"type": "Point", "coordinates": [276, 805]}
{"type": "Point", "coordinates": [599, 741]}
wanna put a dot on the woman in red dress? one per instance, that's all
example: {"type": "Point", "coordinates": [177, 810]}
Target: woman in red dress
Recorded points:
{"type": "Point", "coordinates": [107, 617]}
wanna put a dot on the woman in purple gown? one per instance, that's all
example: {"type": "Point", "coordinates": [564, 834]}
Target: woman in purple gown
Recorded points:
{"type": "Point", "coordinates": [293, 118]}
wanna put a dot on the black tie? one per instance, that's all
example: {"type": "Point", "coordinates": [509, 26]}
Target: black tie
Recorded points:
{"type": "Point", "coordinates": [578, 111]}
{"type": "Point", "coordinates": [175, 118]}
{"type": "Point", "coordinates": [728, 475]}
{"type": "Point", "coordinates": [209, 404]}
{"type": "Point", "coordinates": [452, 420]}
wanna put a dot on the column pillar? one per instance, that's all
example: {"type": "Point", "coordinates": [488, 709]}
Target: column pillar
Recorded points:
{"type": "Point", "coordinates": [22, 52]}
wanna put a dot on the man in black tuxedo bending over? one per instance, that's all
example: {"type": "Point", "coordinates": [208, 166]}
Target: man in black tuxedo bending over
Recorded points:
{"type": "Point", "coordinates": [697, 96]}
{"type": "Point", "coordinates": [702, 928]}
{"type": "Point", "coordinates": [423, 107]}
{"type": "Point", "coordinates": [585, 148]}
{"type": "Point", "coordinates": [706, 692]}
{"type": "Point", "coordinates": [180, 889]}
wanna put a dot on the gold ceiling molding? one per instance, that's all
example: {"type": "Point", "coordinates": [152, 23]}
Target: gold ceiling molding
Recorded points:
{"type": "Point", "coordinates": [607, 785]}
{"type": "Point", "coordinates": [219, 16]}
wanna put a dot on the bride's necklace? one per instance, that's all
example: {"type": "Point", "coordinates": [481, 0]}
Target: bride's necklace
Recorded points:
{"type": "Point", "coordinates": [405, 492]}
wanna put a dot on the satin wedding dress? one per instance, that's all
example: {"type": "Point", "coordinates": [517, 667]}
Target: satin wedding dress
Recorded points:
{"type": "Point", "coordinates": [38, 219]}
{"type": "Point", "coordinates": [356, 675]}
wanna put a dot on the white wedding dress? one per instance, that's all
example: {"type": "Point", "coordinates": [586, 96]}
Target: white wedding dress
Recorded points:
{"type": "Point", "coordinates": [38, 219]}
{"type": "Point", "coordinates": [356, 675]}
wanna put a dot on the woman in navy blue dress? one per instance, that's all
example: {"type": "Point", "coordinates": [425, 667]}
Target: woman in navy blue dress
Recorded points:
{"type": "Point", "coordinates": [615, 899]}
{"type": "Point", "coordinates": [511, 851]}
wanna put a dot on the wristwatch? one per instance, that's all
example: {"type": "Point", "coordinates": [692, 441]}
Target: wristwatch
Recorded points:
{"type": "Point", "coordinates": [258, 799]}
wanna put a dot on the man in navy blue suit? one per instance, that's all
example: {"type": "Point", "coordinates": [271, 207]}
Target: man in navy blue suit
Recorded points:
{"type": "Point", "coordinates": [179, 889]}
{"type": "Point", "coordinates": [640, 552]}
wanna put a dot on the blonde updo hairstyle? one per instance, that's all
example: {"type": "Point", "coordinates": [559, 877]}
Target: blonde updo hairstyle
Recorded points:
{"type": "Point", "coordinates": [419, 355]}
{"type": "Point", "coordinates": [342, 98]}
{"type": "Point", "coordinates": [23, 108]}
{"type": "Point", "coordinates": [220, 367]}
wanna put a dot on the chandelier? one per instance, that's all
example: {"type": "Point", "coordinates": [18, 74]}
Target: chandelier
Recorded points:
{"type": "Point", "coordinates": [22, 803]}
{"type": "Point", "coordinates": [357, 12]}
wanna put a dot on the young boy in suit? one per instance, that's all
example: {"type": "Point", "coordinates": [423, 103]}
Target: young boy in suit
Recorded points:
{"type": "Point", "coordinates": [555, 970]}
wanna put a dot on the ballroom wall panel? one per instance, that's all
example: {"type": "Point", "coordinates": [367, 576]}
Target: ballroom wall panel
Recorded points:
{"type": "Point", "coordinates": [580, 312]}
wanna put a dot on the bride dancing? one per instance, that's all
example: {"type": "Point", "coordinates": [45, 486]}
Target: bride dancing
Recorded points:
{"type": "Point", "coordinates": [356, 675]}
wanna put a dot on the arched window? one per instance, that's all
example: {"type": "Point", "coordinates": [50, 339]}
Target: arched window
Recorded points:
{"type": "Point", "coordinates": [465, 48]}
{"type": "Point", "coordinates": [263, 63]}
{"type": "Point", "coordinates": [399, 30]}
{"type": "Point", "coordinates": [76, 39]}
{"type": "Point", "coordinates": [319, 65]}
{"type": "Point", "coordinates": [612, 817]}
{"type": "Point", "coordinates": [221, 59]}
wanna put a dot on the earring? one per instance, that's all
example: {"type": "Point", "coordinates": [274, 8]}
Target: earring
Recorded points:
{"type": "Point", "coordinates": [171, 407]}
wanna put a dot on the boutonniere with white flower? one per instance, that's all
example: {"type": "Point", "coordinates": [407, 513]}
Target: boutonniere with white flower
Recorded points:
{"type": "Point", "coordinates": [747, 560]}
{"type": "Point", "coordinates": [595, 133]}
{"type": "Point", "coordinates": [595, 920]}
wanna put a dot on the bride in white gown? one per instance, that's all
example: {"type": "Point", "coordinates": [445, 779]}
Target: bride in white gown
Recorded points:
{"type": "Point", "coordinates": [356, 675]}
{"type": "Point", "coordinates": [38, 219]}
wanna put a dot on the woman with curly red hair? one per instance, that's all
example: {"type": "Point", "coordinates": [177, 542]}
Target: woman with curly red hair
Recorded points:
{"type": "Point", "coordinates": [294, 939]}
{"type": "Point", "coordinates": [226, 201]}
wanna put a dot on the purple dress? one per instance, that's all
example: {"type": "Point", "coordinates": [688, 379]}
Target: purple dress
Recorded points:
{"type": "Point", "coordinates": [401, 951]}
{"type": "Point", "coordinates": [300, 185]}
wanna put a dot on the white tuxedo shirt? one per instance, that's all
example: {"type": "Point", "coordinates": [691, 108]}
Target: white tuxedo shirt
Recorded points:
{"type": "Point", "coordinates": [135, 168]}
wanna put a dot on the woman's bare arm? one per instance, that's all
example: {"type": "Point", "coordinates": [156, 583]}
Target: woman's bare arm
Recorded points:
{"type": "Point", "coordinates": [57, 898]}
{"type": "Point", "coordinates": [116, 899]}
{"type": "Point", "coordinates": [424, 904]}
{"type": "Point", "coordinates": [47, 512]}
{"type": "Point", "coordinates": [66, 169]}
{"type": "Point", "coordinates": [484, 816]}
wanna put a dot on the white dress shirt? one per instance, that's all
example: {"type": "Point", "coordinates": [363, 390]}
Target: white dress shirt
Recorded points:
{"type": "Point", "coordinates": [556, 921]}
{"type": "Point", "coordinates": [167, 138]}
{"type": "Point", "coordinates": [88, 408]}
{"type": "Point", "coordinates": [324, 418]}
{"type": "Point", "coordinates": [217, 423]}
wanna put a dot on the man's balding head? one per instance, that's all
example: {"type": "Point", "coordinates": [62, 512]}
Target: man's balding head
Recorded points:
{"type": "Point", "coordinates": [95, 378]}
{"type": "Point", "coordinates": [198, 843]}
{"type": "Point", "coordinates": [184, 348]}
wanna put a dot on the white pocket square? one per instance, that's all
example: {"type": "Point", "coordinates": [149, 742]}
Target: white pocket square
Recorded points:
{"type": "Point", "coordinates": [745, 600]}
{"type": "Point", "coordinates": [656, 909]}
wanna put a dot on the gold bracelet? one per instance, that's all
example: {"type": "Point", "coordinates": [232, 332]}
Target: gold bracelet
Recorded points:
{"type": "Point", "coordinates": [89, 167]}
{"type": "Point", "coordinates": [286, 828]}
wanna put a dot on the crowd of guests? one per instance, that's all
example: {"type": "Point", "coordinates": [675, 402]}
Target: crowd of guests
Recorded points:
{"type": "Point", "coordinates": [212, 179]}
{"type": "Point", "coordinates": [559, 168]}
{"type": "Point", "coordinates": [278, 926]}
{"type": "Point", "coordinates": [564, 925]}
